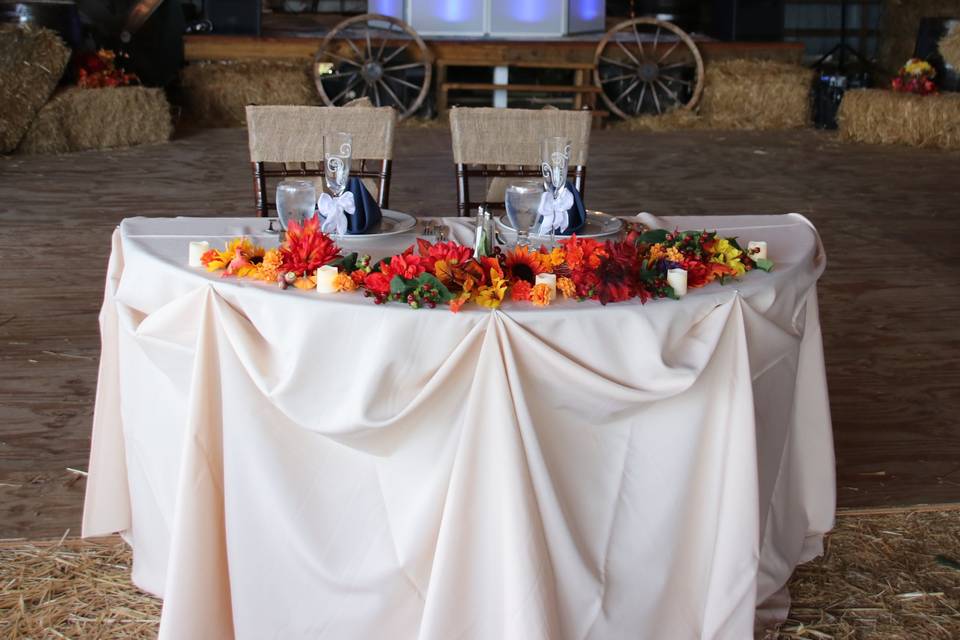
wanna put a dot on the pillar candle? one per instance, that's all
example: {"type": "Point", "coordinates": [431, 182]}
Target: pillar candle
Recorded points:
{"type": "Point", "coordinates": [197, 249]}
{"type": "Point", "coordinates": [325, 276]}
{"type": "Point", "coordinates": [757, 244]}
{"type": "Point", "coordinates": [550, 280]}
{"type": "Point", "coordinates": [677, 278]}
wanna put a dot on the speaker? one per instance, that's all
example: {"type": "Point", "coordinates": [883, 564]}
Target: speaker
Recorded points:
{"type": "Point", "coordinates": [748, 20]}
{"type": "Point", "coordinates": [239, 17]}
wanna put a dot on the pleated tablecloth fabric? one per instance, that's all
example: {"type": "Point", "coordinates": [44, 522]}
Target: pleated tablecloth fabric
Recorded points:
{"type": "Point", "coordinates": [291, 465]}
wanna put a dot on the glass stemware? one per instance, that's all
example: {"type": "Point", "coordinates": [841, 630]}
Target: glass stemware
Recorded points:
{"type": "Point", "coordinates": [522, 201]}
{"type": "Point", "coordinates": [554, 161]}
{"type": "Point", "coordinates": [337, 154]}
{"type": "Point", "coordinates": [296, 200]}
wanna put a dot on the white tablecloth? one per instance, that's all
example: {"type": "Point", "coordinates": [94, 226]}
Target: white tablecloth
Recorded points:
{"type": "Point", "coordinates": [287, 465]}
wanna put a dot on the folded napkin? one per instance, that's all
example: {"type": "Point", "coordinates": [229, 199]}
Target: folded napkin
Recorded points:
{"type": "Point", "coordinates": [366, 218]}
{"type": "Point", "coordinates": [572, 216]}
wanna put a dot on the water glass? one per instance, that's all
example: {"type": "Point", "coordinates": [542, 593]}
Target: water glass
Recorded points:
{"type": "Point", "coordinates": [296, 200]}
{"type": "Point", "coordinates": [337, 154]}
{"type": "Point", "coordinates": [554, 161]}
{"type": "Point", "coordinates": [522, 201]}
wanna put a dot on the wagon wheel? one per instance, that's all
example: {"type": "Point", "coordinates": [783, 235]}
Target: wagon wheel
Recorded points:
{"type": "Point", "coordinates": [645, 65]}
{"type": "Point", "coordinates": [388, 64]}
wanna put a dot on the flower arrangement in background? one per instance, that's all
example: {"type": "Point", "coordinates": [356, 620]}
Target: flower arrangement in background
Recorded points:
{"type": "Point", "coordinates": [446, 273]}
{"type": "Point", "coordinates": [916, 76]}
{"type": "Point", "coordinates": [96, 70]}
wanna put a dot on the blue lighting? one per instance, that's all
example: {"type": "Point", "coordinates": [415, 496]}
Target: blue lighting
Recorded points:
{"type": "Point", "coordinates": [528, 10]}
{"type": "Point", "coordinates": [588, 9]}
{"type": "Point", "coordinates": [392, 8]}
{"type": "Point", "coordinates": [453, 10]}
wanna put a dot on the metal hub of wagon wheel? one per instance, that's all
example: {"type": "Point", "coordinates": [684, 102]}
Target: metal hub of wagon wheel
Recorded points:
{"type": "Point", "coordinates": [377, 57]}
{"type": "Point", "coordinates": [648, 66]}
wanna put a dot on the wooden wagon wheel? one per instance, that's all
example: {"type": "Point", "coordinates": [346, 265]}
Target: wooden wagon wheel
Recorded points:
{"type": "Point", "coordinates": [388, 64]}
{"type": "Point", "coordinates": [645, 65]}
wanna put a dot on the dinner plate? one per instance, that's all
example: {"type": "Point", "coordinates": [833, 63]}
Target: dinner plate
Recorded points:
{"type": "Point", "coordinates": [599, 226]}
{"type": "Point", "coordinates": [391, 223]}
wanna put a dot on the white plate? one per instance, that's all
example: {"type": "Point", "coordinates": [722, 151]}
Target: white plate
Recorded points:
{"type": "Point", "coordinates": [599, 226]}
{"type": "Point", "coordinates": [391, 223]}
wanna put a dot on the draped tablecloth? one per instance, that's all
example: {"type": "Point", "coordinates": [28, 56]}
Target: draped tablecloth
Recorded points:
{"type": "Point", "coordinates": [290, 465]}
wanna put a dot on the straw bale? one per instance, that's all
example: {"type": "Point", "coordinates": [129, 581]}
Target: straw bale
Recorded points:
{"type": "Point", "coordinates": [756, 94]}
{"type": "Point", "coordinates": [33, 62]}
{"type": "Point", "coordinates": [899, 26]}
{"type": "Point", "coordinates": [672, 120]}
{"type": "Point", "coordinates": [109, 118]}
{"type": "Point", "coordinates": [887, 117]}
{"type": "Point", "coordinates": [215, 94]}
{"type": "Point", "coordinates": [949, 46]}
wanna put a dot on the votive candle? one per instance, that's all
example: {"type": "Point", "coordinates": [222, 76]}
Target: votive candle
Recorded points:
{"type": "Point", "coordinates": [761, 248]}
{"type": "Point", "coordinates": [197, 249]}
{"type": "Point", "coordinates": [549, 279]}
{"type": "Point", "coordinates": [677, 278]}
{"type": "Point", "coordinates": [325, 276]}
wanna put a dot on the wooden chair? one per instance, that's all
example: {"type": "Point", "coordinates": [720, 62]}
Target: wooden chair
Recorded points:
{"type": "Point", "coordinates": [505, 143]}
{"type": "Point", "coordinates": [287, 141]}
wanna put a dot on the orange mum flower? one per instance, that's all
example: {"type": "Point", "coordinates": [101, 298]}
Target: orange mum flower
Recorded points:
{"type": "Point", "coordinates": [540, 295]}
{"type": "Point", "coordinates": [520, 291]}
{"type": "Point", "coordinates": [567, 287]}
{"type": "Point", "coordinates": [343, 282]}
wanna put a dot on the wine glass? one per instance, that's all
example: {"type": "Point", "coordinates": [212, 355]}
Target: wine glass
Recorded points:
{"type": "Point", "coordinates": [296, 200]}
{"type": "Point", "coordinates": [522, 201]}
{"type": "Point", "coordinates": [554, 161]}
{"type": "Point", "coordinates": [337, 154]}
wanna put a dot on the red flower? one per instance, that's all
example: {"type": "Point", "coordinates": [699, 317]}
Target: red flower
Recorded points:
{"type": "Point", "coordinates": [377, 283]}
{"type": "Point", "coordinates": [450, 252]}
{"type": "Point", "coordinates": [358, 276]}
{"type": "Point", "coordinates": [306, 248]}
{"type": "Point", "coordinates": [520, 291]}
{"type": "Point", "coordinates": [617, 272]}
{"type": "Point", "coordinates": [404, 265]}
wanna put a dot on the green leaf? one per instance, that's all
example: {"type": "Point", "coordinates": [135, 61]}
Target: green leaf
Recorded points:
{"type": "Point", "coordinates": [429, 278]}
{"type": "Point", "coordinates": [653, 236]}
{"type": "Point", "coordinates": [400, 286]}
{"type": "Point", "coordinates": [764, 265]}
{"type": "Point", "coordinates": [348, 262]}
{"type": "Point", "coordinates": [669, 292]}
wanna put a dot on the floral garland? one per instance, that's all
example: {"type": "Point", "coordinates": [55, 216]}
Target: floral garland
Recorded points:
{"type": "Point", "coordinates": [97, 70]}
{"type": "Point", "coordinates": [916, 76]}
{"type": "Point", "coordinates": [446, 273]}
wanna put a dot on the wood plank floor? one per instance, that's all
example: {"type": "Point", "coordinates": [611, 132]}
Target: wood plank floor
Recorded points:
{"type": "Point", "coordinates": [890, 299]}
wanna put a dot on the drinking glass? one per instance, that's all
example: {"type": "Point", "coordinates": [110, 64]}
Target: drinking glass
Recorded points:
{"type": "Point", "coordinates": [522, 201]}
{"type": "Point", "coordinates": [337, 154]}
{"type": "Point", "coordinates": [554, 161]}
{"type": "Point", "coordinates": [296, 200]}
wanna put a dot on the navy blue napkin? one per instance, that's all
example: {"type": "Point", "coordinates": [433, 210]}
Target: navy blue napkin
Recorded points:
{"type": "Point", "coordinates": [367, 216]}
{"type": "Point", "coordinates": [577, 214]}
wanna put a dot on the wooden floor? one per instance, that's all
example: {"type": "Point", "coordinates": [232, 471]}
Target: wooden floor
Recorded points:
{"type": "Point", "coordinates": [890, 299]}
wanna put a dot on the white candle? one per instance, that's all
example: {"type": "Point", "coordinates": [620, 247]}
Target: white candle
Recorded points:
{"type": "Point", "coordinates": [197, 249]}
{"type": "Point", "coordinates": [325, 276]}
{"type": "Point", "coordinates": [550, 280]}
{"type": "Point", "coordinates": [677, 278]}
{"type": "Point", "coordinates": [761, 247]}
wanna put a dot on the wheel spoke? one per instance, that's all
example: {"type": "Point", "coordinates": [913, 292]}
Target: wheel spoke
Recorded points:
{"type": "Point", "coordinates": [643, 92]}
{"type": "Point", "coordinates": [627, 90]}
{"type": "Point", "coordinates": [670, 93]}
{"type": "Point", "coordinates": [669, 51]}
{"type": "Point", "coordinates": [409, 65]}
{"type": "Point", "coordinates": [676, 64]}
{"type": "Point", "coordinates": [341, 58]}
{"type": "Point", "coordinates": [342, 74]}
{"type": "Point", "coordinates": [383, 45]}
{"type": "Point", "coordinates": [636, 36]}
{"type": "Point", "coordinates": [355, 49]}
{"type": "Point", "coordinates": [395, 53]}
{"type": "Point", "coordinates": [618, 63]}
{"type": "Point", "coordinates": [627, 51]}
{"type": "Point", "coordinates": [392, 94]}
{"type": "Point", "coordinates": [403, 82]}
{"type": "Point", "coordinates": [673, 79]}
{"type": "Point", "coordinates": [656, 39]}
{"type": "Point", "coordinates": [656, 100]}
{"type": "Point", "coordinates": [366, 36]}
{"type": "Point", "coordinates": [345, 90]}
{"type": "Point", "coordinates": [621, 77]}
{"type": "Point", "coordinates": [376, 94]}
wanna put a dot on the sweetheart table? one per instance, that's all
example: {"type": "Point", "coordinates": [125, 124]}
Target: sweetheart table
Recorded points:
{"type": "Point", "coordinates": [291, 465]}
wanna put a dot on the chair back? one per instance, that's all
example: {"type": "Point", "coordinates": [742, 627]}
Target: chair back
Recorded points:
{"type": "Point", "coordinates": [505, 143]}
{"type": "Point", "coordinates": [287, 141]}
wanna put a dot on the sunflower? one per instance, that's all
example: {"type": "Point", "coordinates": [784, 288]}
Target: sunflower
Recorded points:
{"type": "Point", "coordinates": [523, 264]}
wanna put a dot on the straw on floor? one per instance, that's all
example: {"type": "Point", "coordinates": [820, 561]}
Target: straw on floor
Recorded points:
{"type": "Point", "coordinates": [889, 575]}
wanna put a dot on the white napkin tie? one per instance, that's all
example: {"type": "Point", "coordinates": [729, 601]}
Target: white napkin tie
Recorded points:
{"type": "Point", "coordinates": [333, 210]}
{"type": "Point", "coordinates": [555, 211]}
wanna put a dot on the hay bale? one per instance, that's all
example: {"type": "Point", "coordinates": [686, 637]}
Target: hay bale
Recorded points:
{"type": "Point", "coordinates": [899, 26]}
{"type": "Point", "coordinates": [887, 117]}
{"type": "Point", "coordinates": [756, 94]}
{"type": "Point", "coordinates": [33, 63]}
{"type": "Point", "coordinates": [215, 94]}
{"type": "Point", "coordinates": [80, 119]}
{"type": "Point", "coordinates": [949, 46]}
{"type": "Point", "coordinates": [673, 120]}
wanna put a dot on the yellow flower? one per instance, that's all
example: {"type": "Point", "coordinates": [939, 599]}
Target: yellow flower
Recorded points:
{"type": "Point", "coordinates": [540, 295]}
{"type": "Point", "coordinates": [491, 296]}
{"type": "Point", "coordinates": [674, 255]}
{"type": "Point", "coordinates": [343, 282]}
{"type": "Point", "coordinates": [557, 257]}
{"type": "Point", "coordinates": [268, 269]}
{"type": "Point", "coordinates": [656, 252]}
{"type": "Point", "coordinates": [216, 259]}
{"type": "Point", "coordinates": [567, 287]}
{"type": "Point", "coordinates": [726, 253]}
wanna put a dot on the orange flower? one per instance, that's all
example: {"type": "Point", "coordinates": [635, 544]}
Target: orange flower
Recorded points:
{"type": "Point", "coordinates": [540, 295]}
{"type": "Point", "coordinates": [567, 287]}
{"type": "Point", "coordinates": [359, 276]}
{"type": "Point", "coordinates": [523, 264]}
{"type": "Point", "coordinates": [268, 269]}
{"type": "Point", "coordinates": [343, 282]}
{"type": "Point", "coordinates": [557, 257]}
{"type": "Point", "coordinates": [520, 291]}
